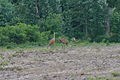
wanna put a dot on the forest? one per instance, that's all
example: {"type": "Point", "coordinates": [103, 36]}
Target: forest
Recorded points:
{"type": "Point", "coordinates": [35, 21]}
{"type": "Point", "coordinates": [86, 34]}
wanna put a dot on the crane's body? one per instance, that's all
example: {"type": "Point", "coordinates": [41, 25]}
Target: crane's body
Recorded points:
{"type": "Point", "coordinates": [74, 40]}
{"type": "Point", "coordinates": [52, 41]}
{"type": "Point", "coordinates": [63, 41]}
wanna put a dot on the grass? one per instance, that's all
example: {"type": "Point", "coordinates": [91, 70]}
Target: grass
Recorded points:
{"type": "Point", "coordinates": [101, 78]}
{"type": "Point", "coordinates": [15, 55]}
{"type": "Point", "coordinates": [23, 47]}
{"type": "Point", "coordinates": [1, 56]}
{"type": "Point", "coordinates": [106, 78]}
{"type": "Point", "coordinates": [4, 63]}
{"type": "Point", "coordinates": [36, 46]}
{"type": "Point", "coordinates": [118, 57]}
{"type": "Point", "coordinates": [90, 78]}
{"type": "Point", "coordinates": [96, 44]}
{"type": "Point", "coordinates": [10, 68]}
{"type": "Point", "coordinates": [115, 74]}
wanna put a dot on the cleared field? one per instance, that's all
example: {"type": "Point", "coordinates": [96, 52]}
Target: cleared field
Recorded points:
{"type": "Point", "coordinates": [78, 63]}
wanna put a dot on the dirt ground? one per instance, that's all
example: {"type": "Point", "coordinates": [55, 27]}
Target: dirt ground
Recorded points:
{"type": "Point", "coordinates": [77, 63]}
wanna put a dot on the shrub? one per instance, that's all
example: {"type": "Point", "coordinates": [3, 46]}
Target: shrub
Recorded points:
{"type": "Point", "coordinates": [22, 33]}
{"type": "Point", "coordinates": [115, 25]}
{"type": "Point", "coordinates": [115, 74]}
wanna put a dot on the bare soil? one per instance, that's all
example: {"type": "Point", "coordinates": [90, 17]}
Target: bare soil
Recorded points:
{"type": "Point", "coordinates": [76, 63]}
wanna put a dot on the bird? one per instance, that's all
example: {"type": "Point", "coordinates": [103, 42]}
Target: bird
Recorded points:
{"type": "Point", "coordinates": [52, 41]}
{"type": "Point", "coordinates": [63, 41]}
{"type": "Point", "coordinates": [74, 40]}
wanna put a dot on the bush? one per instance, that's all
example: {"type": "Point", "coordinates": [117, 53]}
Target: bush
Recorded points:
{"type": "Point", "coordinates": [101, 38]}
{"type": "Point", "coordinates": [52, 23]}
{"type": "Point", "coordinates": [115, 25]}
{"type": "Point", "coordinates": [3, 40]}
{"type": "Point", "coordinates": [22, 33]}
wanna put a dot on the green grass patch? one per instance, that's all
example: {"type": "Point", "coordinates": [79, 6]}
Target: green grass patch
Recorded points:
{"type": "Point", "coordinates": [1, 56]}
{"type": "Point", "coordinates": [101, 78]}
{"type": "Point", "coordinates": [3, 63]}
{"type": "Point", "coordinates": [90, 78]}
{"type": "Point", "coordinates": [37, 46]}
{"type": "Point", "coordinates": [10, 69]}
{"type": "Point", "coordinates": [115, 74]}
{"type": "Point", "coordinates": [15, 55]}
{"type": "Point", "coordinates": [117, 57]}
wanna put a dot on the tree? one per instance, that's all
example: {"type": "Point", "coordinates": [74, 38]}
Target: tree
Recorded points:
{"type": "Point", "coordinates": [111, 5]}
{"type": "Point", "coordinates": [83, 19]}
{"type": "Point", "coordinates": [31, 11]}
{"type": "Point", "coordinates": [6, 12]}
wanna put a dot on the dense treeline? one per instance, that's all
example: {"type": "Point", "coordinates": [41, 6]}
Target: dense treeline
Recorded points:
{"type": "Point", "coordinates": [23, 21]}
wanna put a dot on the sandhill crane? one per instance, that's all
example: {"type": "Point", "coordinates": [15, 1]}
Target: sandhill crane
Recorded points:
{"type": "Point", "coordinates": [52, 41]}
{"type": "Point", "coordinates": [63, 41]}
{"type": "Point", "coordinates": [74, 40]}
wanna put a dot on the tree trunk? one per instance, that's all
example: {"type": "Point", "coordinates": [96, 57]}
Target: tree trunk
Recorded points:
{"type": "Point", "coordinates": [86, 29]}
{"type": "Point", "coordinates": [37, 8]}
{"type": "Point", "coordinates": [107, 20]}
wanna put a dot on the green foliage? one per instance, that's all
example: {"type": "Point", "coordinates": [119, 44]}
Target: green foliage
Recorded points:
{"type": "Point", "coordinates": [20, 34]}
{"type": "Point", "coordinates": [1, 56]}
{"type": "Point", "coordinates": [90, 78]}
{"type": "Point", "coordinates": [82, 19]}
{"type": "Point", "coordinates": [15, 55]}
{"type": "Point", "coordinates": [115, 25]}
{"type": "Point", "coordinates": [115, 74]}
{"type": "Point", "coordinates": [3, 63]}
{"type": "Point", "coordinates": [51, 23]}
{"type": "Point", "coordinates": [102, 78]}
{"type": "Point", "coordinates": [10, 45]}
{"type": "Point", "coordinates": [10, 68]}
{"type": "Point", "coordinates": [6, 12]}
{"type": "Point", "coordinates": [102, 38]}
{"type": "Point", "coordinates": [44, 36]}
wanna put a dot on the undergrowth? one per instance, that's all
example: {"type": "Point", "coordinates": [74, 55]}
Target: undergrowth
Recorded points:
{"type": "Point", "coordinates": [36, 46]}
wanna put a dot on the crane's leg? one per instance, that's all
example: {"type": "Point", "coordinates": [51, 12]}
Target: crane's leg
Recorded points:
{"type": "Point", "coordinates": [63, 45]}
{"type": "Point", "coordinates": [48, 46]}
